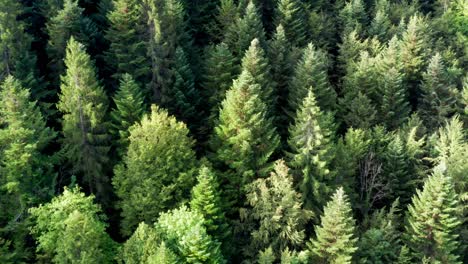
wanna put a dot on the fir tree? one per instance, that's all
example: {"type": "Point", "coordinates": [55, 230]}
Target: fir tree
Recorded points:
{"type": "Point", "coordinates": [206, 200]}
{"type": "Point", "coordinates": [219, 71]}
{"type": "Point", "coordinates": [439, 95]}
{"type": "Point", "coordinates": [311, 73]}
{"type": "Point", "coordinates": [335, 242]}
{"type": "Point", "coordinates": [395, 107]}
{"type": "Point", "coordinates": [70, 229]}
{"type": "Point", "coordinates": [157, 171]}
{"type": "Point", "coordinates": [83, 104]}
{"type": "Point", "coordinates": [353, 17]}
{"type": "Point", "coordinates": [434, 220]}
{"type": "Point", "coordinates": [245, 137]}
{"type": "Point", "coordinates": [129, 108]}
{"type": "Point", "coordinates": [291, 15]}
{"type": "Point", "coordinates": [126, 34]}
{"type": "Point", "coordinates": [277, 212]}
{"type": "Point", "coordinates": [380, 25]}
{"type": "Point", "coordinates": [358, 111]}
{"type": "Point", "coordinates": [311, 154]}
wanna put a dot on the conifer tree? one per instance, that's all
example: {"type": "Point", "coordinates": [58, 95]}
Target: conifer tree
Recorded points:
{"type": "Point", "coordinates": [246, 28]}
{"type": "Point", "coordinates": [335, 242]}
{"type": "Point", "coordinates": [83, 104]}
{"type": "Point", "coordinates": [311, 154]}
{"type": "Point", "coordinates": [256, 63]}
{"type": "Point", "coordinates": [291, 15]}
{"type": "Point", "coordinates": [395, 107]}
{"type": "Point", "coordinates": [439, 95]}
{"type": "Point", "coordinates": [126, 35]}
{"type": "Point", "coordinates": [311, 73]}
{"type": "Point", "coordinates": [206, 200]}
{"type": "Point", "coordinates": [380, 25]}
{"type": "Point", "coordinates": [226, 16]}
{"type": "Point", "coordinates": [245, 137]}
{"type": "Point", "coordinates": [277, 212]}
{"type": "Point", "coordinates": [157, 171]}
{"type": "Point", "coordinates": [219, 71]}
{"type": "Point", "coordinates": [60, 28]}
{"type": "Point", "coordinates": [129, 108]}
{"type": "Point", "coordinates": [186, 236]}
{"type": "Point", "coordinates": [434, 220]}
{"type": "Point", "coordinates": [353, 17]}
{"type": "Point", "coordinates": [70, 229]}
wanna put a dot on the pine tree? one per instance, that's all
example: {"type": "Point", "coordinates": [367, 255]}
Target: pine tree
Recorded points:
{"type": "Point", "coordinates": [256, 63]}
{"type": "Point", "coordinates": [126, 35]}
{"type": "Point", "coordinates": [245, 137]}
{"type": "Point", "coordinates": [129, 108]}
{"type": "Point", "coordinates": [248, 27]}
{"type": "Point", "coordinates": [277, 212]}
{"type": "Point", "coordinates": [157, 171]}
{"type": "Point", "coordinates": [70, 229]}
{"type": "Point", "coordinates": [434, 220]}
{"type": "Point", "coordinates": [380, 25]}
{"type": "Point", "coordinates": [335, 242]}
{"type": "Point", "coordinates": [186, 236]}
{"type": "Point", "coordinates": [60, 28]}
{"type": "Point", "coordinates": [358, 111]}
{"type": "Point", "coordinates": [219, 71]}
{"type": "Point", "coordinates": [206, 200]}
{"type": "Point", "coordinates": [439, 95]}
{"type": "Point", "coordinates": [353, 17]}
{"type": "Point", "coordinates": [83, 104]}
{"type": "Point", "coordinates": [311, 154]}
{"type": "Point", "coordinates": [226, 16]}
{"type": "Point", "coordinates": [311, 73]}
{"type": "Point", "coordinates": [395, 107]}
{"type": "Point", "coordinates": [291, 15]}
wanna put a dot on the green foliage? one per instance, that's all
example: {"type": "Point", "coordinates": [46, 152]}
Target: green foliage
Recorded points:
{"type": "Point", "coordinates": [70, 229]}
{"type": "Point", "coordinates": [127, 51]}
{"type": "Point", "coordinates": [277, 212]}
{"type": "Point", "coordinates": [83, 104]}
{"type": "Point", "coordinates": [335, 242]}
{"type": "Point", "coordinates": [291, 15]}
{"type": "Point", "coordinates": [434, 220]}
{"type": "Point", "coordinates": [245, 138]}
{"type": "Point", "coordinates": [353, 17]}
{"type": "Point", "coordinates": [311, 153]}
{"type": "Point", "coordinates": [129, 108]}
{"type": "Point", "coordinates": [157, 171]}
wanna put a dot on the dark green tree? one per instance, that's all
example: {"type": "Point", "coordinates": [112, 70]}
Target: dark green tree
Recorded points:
{"type": "Point", "coordinates": [83, 104]}
{"type": "Point", "coordinates": [129, 108]}
{"type": "Point", "coordinates": [157, 171]}
{"type": "Point", "coordinates": [432, 230]}
{"type": "Point", "coordinates": [335, 242]}
{"type": "Point", "coordinates": [291, 14]}
{"type": "Point", "coordinates": [353, 16]}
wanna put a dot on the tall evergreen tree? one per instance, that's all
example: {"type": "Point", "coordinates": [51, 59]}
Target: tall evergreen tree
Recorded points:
{"type": "Point", "coordinates": [311, 73]}
{"type": "Point", "coordinates": [395, 107]}
{"type": "Point", "coordinates": [157, 171]}
{"type": "Point", "coordinates": [126, 35]}
{"type": "Point", "coordinates": [83, 104]}
{"type": "Point", "coordinates": [245, 137]}
{"type": "Point", "coordinates": [292, 15]}
{"type": "Point", "coordinates": [129, 108]}
{"type": "Point", "coordinates": [335, 242]}
{"type": "Point", "coordinates": [439, 94]}
{"type": "Point", "coordinates": [353, 16]}
{"type": "Point", "coordinates": [311, 153]}
{"type": "Point", "coordinates": [70, 229]}
{"type": "Point", "coordinates": [277, 212]}
{"type": "Point", "coordinates": [434, 220]}
{"type": "Point", "coordinates": [206, 200]}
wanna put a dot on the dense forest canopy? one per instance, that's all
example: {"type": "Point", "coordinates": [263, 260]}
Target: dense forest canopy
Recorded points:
{"type": "Point", "coordinates": [234, 131]}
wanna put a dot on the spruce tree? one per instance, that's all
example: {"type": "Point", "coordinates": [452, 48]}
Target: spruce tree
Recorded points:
{"type": "Point", "coordinates": [157, 171]}
{"type": "Point", "coordinates": [291, 15]}
{"type": "Point", "coordinates": [83, 104]}
{"type": "Point", "coordinates": [256, 63]}
{"type": "Point", "coordinates": [207, 200]}
{"type": "Point", "coordinates": [129, 108]}
{"type": "Point", "coordinates": [395, 106]}
{"type": "Point", "coordinates": [277, 212]}
{"type": "Point", "coordinates": [70, 229]}
{"type": "Point", "coordinates": [311, 154]}
{"type": "Point", "coordinates": [439, 94]}
{"type": "Point", "coordinates": [245, 138]}
{"type": "Point", "coordinates": [311, 73]}
{"type": "Point", "coordinates": [432, 230]}
{"type": "Point", "coordinates": [335, 242]}
{"type": "Point", "coordinates": [219, 71]}
{"type": "Point", "coordinates": [380, 25]}
{"type": "Point", "coordinates": [353, 16]}
{"type": "Point", "coordinates": [60, 28]}
{"type": "Point", "coordinates": [128, 46]}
